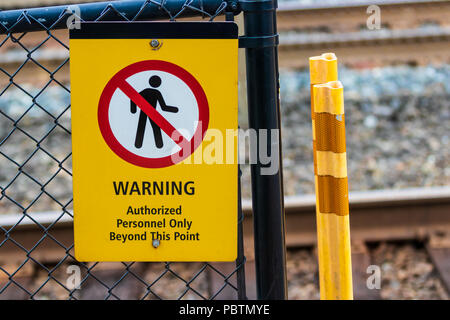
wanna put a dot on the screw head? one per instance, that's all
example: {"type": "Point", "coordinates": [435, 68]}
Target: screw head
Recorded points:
{"type": "Point", "coordinates": [154, 43]}
{"type": "Point", "coordinates": [155, 243]}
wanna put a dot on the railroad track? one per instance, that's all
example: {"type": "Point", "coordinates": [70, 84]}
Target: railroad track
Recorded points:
{"type": "Point", "coordinates": [421, 215]}
{"type": "Point", "coordinates": [369, 48]}
{"type": "Point", "coordinates": [414, 32]}
{"type": "Point", "coordinates": [348, 16]}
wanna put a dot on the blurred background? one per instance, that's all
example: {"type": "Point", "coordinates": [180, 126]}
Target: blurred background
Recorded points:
{"type": "Point", "coordinates": [394, 63]}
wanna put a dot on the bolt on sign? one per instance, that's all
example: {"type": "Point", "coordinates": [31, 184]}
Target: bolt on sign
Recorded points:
{"type": "Point", "coordinates": [151, 105]}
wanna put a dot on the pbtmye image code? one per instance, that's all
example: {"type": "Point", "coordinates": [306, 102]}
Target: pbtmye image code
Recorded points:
{"type": "Point", "coordinates": [228, 309]}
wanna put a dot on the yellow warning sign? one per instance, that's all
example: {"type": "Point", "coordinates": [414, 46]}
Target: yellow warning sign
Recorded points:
{"type": "Point", "coordinates": [154, 139]}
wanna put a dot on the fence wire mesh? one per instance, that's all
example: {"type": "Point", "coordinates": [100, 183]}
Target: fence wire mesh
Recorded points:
{"type": "Point", "coordinates": [36, 247]}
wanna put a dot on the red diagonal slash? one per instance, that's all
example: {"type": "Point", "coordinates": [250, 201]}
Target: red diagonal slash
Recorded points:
{"type": "Point", "coordinates": [153, 114]}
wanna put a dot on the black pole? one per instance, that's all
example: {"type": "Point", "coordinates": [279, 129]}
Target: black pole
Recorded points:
{"type": "Point", "coordinates": [261, 42]}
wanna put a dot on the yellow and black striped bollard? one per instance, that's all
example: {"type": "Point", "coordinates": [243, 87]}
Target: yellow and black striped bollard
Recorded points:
{"type": "Point", "coordinates": [330, 168]}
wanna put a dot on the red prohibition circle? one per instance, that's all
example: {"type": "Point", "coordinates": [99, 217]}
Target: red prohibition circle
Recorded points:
{"type": "Point", "coordinates": [149, 65]}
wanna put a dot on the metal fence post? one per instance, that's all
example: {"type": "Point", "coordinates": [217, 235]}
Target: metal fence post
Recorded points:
{"type": "Point", "coordinates": [261, 42]}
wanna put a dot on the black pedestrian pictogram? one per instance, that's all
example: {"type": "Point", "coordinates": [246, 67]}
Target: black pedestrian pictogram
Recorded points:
{"type": "Point", "coordinates": [153, 96]}
{"type": "Point", "coordinates": [180, 86]}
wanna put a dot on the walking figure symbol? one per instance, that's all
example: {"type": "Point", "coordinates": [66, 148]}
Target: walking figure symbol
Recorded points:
{"type": "Point", "coordinates": [153, 96]}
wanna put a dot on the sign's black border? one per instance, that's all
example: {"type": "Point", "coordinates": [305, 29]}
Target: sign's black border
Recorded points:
{"type": "Point", "coordinates": [159, 30]}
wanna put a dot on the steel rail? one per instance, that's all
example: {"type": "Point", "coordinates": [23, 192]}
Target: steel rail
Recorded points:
{"type": "Point", "coordinates": [380, 215]}
{"type": "Point", "coordinates": [291, 6]}
{"type": "Point", "coordinates": [381, 210]}
{"type": "Point", "coordinates": [345, 15]}
{"type": "Point", "coordinates": [311, 40]}
{"type": "Point", "coordinates": [369, 47]}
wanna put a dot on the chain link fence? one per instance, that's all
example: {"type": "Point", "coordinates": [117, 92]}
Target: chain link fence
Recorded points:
{"type": "Point", "coordinates": [36, 246]}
